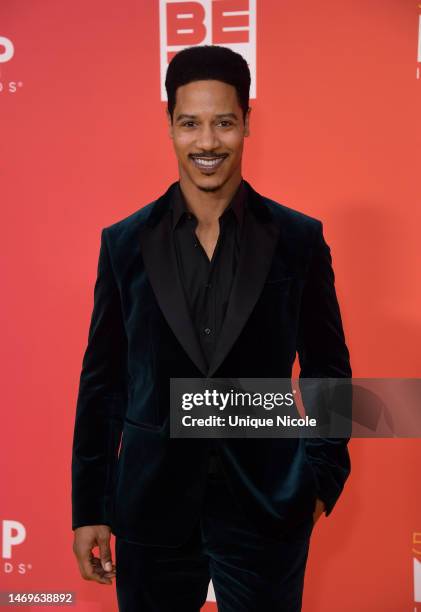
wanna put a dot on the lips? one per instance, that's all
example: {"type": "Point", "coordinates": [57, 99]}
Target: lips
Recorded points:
{"type": "Point", "coordinates": [208, 164]}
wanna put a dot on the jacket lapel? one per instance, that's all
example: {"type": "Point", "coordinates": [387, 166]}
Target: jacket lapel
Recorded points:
{"type": "Point", "coordinates": [258, 243]}
{"type": "Point", "coordinates": [160, 260]}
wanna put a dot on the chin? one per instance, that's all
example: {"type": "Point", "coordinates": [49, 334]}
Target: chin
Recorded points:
{"type": "Point", "coordinates": [211, 184]}
{"type": "Point", "coordinates": [209, 188]}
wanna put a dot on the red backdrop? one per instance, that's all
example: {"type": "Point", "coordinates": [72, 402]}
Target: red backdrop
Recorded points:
{"type": "Point", "coordinates": [335, 133]}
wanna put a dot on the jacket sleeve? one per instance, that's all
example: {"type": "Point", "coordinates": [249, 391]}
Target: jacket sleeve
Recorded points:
{"type": "Point", "coordinates": [101, 402]}
{"type": "Point", "coordinates": [323, 353]}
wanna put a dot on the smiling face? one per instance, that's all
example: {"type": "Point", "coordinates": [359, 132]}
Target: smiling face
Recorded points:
{"type": "Point", "coordinates": [208, 134]}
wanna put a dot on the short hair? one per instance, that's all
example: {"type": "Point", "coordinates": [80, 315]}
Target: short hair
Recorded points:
{"type": "Point", "coordinates": [207, 62]}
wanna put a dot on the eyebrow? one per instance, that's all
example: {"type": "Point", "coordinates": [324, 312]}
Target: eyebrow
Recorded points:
{"type": "Point", "coordinates": [184, 116]}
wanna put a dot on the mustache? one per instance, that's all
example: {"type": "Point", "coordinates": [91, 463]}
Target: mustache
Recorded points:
{"type": "Point", "coordinates": [208, 155]}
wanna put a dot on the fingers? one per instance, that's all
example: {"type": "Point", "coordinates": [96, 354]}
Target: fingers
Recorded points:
{"type": "Point", "coordinates": [97, 565]}
{"type": "Point", "coordinates": [105, 553]}
{"type": "Point", "coordinates": [100, 569]}
{"type": "Point", "coordinates": [91, 569]}
{"type": "Point", "coordinates": [99, 574]}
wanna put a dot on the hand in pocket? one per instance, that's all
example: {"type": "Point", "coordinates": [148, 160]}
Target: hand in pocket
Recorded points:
{"type": "Point", "coordinates": [319, 509]}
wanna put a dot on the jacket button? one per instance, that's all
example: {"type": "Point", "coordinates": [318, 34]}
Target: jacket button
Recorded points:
{"type": "Point", "coordinates": [207, 330]}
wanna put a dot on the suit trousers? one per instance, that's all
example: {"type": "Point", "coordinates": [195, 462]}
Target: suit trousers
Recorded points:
{"type": "Point", "coordinates": [250, 572]}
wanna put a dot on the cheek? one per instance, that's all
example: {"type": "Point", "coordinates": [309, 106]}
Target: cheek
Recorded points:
{"type": "Point", "coordinates": [234, 142]}
{"type": "Point", "coordinates": [182, 144]}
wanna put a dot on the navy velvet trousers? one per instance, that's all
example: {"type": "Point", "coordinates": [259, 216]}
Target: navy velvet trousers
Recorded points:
{"type": "Point", "coordinates": [249, 572]}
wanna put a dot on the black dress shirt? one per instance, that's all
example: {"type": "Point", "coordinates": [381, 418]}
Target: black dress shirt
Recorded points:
{"type": "Point", "coordinates": [207, 283]}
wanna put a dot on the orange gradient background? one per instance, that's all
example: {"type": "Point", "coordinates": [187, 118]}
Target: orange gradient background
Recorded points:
{"type": "Point", "coordinates": [335, 133]}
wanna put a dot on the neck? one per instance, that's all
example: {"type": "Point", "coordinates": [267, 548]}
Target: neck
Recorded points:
{"type": "Point", "coordinates": [208, 206]}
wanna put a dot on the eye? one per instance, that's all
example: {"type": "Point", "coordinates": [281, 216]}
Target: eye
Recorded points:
{"type": "Point", "coordinates": [226, 123]}
{"type": "Point", "coordinates": [187, 123]}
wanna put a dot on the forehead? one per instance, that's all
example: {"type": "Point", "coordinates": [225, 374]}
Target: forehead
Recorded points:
{"type": "Point", "coordinates": [206, 95]}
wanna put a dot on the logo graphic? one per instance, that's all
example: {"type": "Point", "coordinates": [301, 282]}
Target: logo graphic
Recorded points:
{"type": "Point", "coordinates": [11, 539]}
{"type": "Point", "coordinates": [13, 534]}
{"type": "Point", "coordinates": [419, 38]}
{"type": "Point", "coordinates": [230, 23]}
{"type": "Point", "coordinates": [416, 540]}
{"type": "Point", "coordinates": [417, 581]}
{"type": "Point", "coordinates": [6, 49]}
{"type": "Point", "coordinates": [419, 44]}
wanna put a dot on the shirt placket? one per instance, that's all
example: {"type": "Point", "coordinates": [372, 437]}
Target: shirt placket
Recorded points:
{"type": "Point", "coordinates": [209, 328]}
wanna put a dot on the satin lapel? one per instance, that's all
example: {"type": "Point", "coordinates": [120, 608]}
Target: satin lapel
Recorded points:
{"type": "Point", "coordinates": [258, 244]}
{"type": "Point", "coordinates": [160, 262]}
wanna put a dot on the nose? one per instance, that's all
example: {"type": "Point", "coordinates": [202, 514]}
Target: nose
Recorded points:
{"type": "Point", "coordinates": [207, 138]}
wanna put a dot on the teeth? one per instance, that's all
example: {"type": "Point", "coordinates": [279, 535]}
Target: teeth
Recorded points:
{"type": "Point", "coordinates": [208, 162]}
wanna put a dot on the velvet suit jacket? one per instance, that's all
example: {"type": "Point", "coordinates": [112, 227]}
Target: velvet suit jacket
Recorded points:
{"type": "Point", "coordinates": [126, 470]}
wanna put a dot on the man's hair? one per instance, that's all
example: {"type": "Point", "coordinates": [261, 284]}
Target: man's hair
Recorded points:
{"type": "Point", "coordinates": [207, 62]}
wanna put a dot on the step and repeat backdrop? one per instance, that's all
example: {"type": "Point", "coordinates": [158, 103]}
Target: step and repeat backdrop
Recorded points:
{"type": "Point", "coordinates": [335, 133]}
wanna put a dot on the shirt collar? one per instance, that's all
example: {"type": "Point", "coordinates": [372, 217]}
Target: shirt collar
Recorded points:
{"type": "Point", "coordinates": [237, 204]}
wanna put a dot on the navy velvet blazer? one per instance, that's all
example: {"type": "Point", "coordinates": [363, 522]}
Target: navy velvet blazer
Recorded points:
{"type": "Point", "coordinates": [283, 301]}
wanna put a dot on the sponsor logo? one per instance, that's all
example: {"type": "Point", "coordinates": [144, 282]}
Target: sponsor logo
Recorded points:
{"type": "Point", "coordinates": [13, 534]}
{"type": "Point", "coordinates": [416, 541]}
{"type": "Point", "coordinates": [419, 38]}
{"type": "Point", "coordinates": [419, 45]}
{"type": "Point", "coordinates": [230, 23]}
{"type": "Point", "coordinates": [7, 49]}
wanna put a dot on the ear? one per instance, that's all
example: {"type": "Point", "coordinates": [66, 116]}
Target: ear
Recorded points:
{"type": "Point", "coordinates": [170, 125]}
{"type": "Point", "coordinates": [247, 122]}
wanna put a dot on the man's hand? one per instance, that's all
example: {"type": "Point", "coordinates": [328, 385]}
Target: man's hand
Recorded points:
{"type": "Point", "coordinates": [320, 508]}
{"type": "Point", "coordinates": [91, 568]}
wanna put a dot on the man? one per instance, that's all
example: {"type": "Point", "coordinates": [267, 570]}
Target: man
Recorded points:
{"type": "Point", "coordinates": [209, 280]}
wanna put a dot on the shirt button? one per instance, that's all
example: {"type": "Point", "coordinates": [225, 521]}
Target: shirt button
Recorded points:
{"type": "Point", "coordinates": [207, 330]}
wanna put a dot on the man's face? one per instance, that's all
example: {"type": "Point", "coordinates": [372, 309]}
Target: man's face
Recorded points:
{"type": "Point", "coordinates": [208, 133]}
